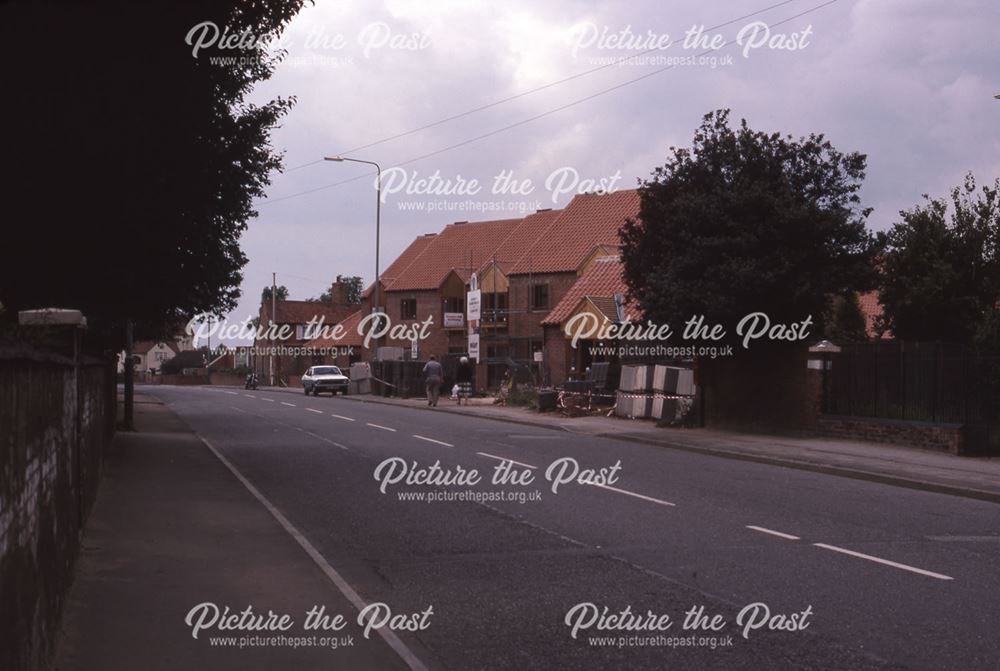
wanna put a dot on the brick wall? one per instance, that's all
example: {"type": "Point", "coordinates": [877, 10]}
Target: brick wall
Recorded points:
{"type": "Point", "coordinates": [557, 355]}
{"type": "Point", "coordinates": [525, 322]}
{"type": "Point", "coordinates": [943, 437]}
{"type": "Point", "coordinates": [52, 446]}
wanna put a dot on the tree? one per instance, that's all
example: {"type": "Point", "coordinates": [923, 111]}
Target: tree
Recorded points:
{"type": "Point", "coordinates": [281, 293]}
{"type": "Point", "coordinates": [354, 289]}
{"type": "Point", "coordinates": [845, 321]}
{"type": "Point", "coordinates": [137, 162]}
{"type": "Point", "coordinates": [746, 221]}
{"type": "Point", "coordinates": [940, 270]}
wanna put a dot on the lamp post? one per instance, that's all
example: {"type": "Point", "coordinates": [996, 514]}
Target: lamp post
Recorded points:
{"type": "Point", "coordinates": [378, 215]}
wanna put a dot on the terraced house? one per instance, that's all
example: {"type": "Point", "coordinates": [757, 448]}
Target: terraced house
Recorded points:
{"type": "Point", "coordinates": [534, 273]}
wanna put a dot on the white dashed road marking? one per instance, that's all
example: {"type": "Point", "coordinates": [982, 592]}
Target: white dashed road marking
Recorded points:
{"type": "Point", "coordinates": [379, 426]}
{"type": "Point", "coordinates": [628, 493]}
{"type": "Point", "coordinates": [291, 405]}
{"type": "Point", "coordinates": [493, 456]}
{"type": "Point", "coordinates": [431, 440]}
{"type": "Point", "coordinates": [346, 419]}
{"type": "Point", "coordinates": [886, 562]}
{"type": "Point", "coordinates": [314, 410]}
{"type": "Point", "coordinates": [773, 532]}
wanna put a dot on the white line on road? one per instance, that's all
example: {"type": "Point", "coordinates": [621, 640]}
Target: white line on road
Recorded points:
{"type": "Point", "coordinates": [292, 405]}
{"type": "Point", "coordinates": [345, 588]}
{"type": "Point", "coordinates": [325, 440]}
{"type": "Point", "coordinates": [249, 395]}
{"type": "Point", "coordinates": [269, 400]}
{"type": "Point", "coordinates": [233, 393]}
{"type": "Point", "coordinates": [628, 493]}
{"type": "Point", "coordinates": [379, 426]}
{"type": "Point", "coordinates": [431, 440]}
{"type": "Point", "coordinates": [346, 419]}
{"type": "Point", "coordinates": [314, 410]}
{"type": "Point", "coordinates": [493, 456]}
{"type": "Point", "coordinates": [773, 533]}
{"type": "Point", "coordinates": [878, 560]}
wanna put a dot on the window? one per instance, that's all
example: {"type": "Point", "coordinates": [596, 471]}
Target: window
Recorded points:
{"type": "Point", "coordinates": [539, 296]}
{"type": "Point", "coordinates": [408, 308]}
{"type": "Point", "coordinates": [495, 308]}
{"type": "Point", "coordinates": [454, 304]}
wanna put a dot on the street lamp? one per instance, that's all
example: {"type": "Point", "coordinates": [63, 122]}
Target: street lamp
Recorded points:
{"type": "Point", "coordinates": [378, 214]}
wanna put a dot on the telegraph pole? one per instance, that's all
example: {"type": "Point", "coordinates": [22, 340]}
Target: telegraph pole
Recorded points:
{"type": "Point", "coordinates": [274, 305]}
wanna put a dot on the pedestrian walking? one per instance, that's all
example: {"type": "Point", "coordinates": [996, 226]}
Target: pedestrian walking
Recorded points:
{"type": "Point", "coordinates": [435, 375]}
{"type": "Point", "coordinates": [463, 376]}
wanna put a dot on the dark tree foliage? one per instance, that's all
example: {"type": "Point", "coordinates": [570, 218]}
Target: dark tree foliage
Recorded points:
{"type": "Point", "coordinates": [747, 221]}
{"type": "Point", "coordinates": [132, 165]}
{"type": "Point", "coordinates": [845, 321]}
{"type": "Point", "coordinates": [354, 289]}
{"type": "Point", "coordinates": [940, 269]}
{"type": "Point", "coordinates": [280, 292]}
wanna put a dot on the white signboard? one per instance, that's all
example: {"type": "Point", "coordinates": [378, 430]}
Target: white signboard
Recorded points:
{"type": "Point", "coordinates": [454, 320]}
{"type": "Point", "coordinates": [474, 347]}
{"type": "Point", "coordinates": [473, 305]}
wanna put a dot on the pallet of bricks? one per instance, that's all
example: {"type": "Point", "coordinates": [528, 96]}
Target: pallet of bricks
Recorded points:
{"type": "Point", "coordinates": [648, 391]}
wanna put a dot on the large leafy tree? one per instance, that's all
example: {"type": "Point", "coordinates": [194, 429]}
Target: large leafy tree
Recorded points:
{"type": "Point", "coordinates": [132, 164]}
{"type": "Point", "coordinates": [940, 269]}
{"type": "Point", "coordinates": [746, 221]}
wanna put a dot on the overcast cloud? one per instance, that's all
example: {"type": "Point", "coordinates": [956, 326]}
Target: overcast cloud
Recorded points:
{"type": "Point", "coordinates": [910, 83]}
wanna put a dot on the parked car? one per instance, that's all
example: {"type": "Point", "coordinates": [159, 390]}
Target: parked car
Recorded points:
{"type": "Point", "coordinates": [324, 378]}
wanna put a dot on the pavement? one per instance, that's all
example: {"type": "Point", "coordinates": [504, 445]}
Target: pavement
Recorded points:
{"type": "Point", "coordinates": [903, 466]}
{"type": "Point", "coordinates": [171, 529]}
{"type": "Point", "coordinates": [279, 501]}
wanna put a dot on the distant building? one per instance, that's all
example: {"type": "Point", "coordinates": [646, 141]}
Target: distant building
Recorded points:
{"type": "Point", "coordinates": [282, 359]}
{"type": "Point", "coordinates": [149, 355]}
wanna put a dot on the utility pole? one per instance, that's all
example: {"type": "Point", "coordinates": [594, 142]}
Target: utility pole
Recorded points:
{"type": "Point", "coordinates": [274, 306]}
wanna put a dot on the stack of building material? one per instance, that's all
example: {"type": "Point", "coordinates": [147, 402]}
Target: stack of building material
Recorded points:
{"type": "Point", "coordinates": [670, 408]}
{"type": "Point", "coordinates": [361, 378]}
{"type": "Point", "coordinates": [636, 379]}
{"type": "Point", "coordinates": [633, 406]}
{"type": "Point", "coordinates": [633, 399]}
{"type": "Point", "coordinates": [673, 381]}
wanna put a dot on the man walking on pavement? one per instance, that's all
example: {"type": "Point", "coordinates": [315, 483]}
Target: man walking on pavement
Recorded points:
{"type": "Point", "coordinates": [435, 375]}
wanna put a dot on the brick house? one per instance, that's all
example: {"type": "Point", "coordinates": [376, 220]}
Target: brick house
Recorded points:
{"type": "Point", "coordinates": [286, 363]}
{"type": "Point", "coordinates": [525, 267]}
{"type": "Point", "coordinates": [599, 291]}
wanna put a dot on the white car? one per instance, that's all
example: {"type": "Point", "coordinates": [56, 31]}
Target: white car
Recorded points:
{"type": "Point", "coordinates": [324, 378]}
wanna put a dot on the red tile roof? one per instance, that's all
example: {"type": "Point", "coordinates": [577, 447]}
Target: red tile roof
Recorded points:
{"type": "Point", "coordinates": [600, 281]}
{"type": "Point", "coordinates": [404, 260]}
{"type": "Point", "coordinates": [301, 312]}
{"type": "Point", "coordinates": [522, 238]}
{"type": "Point", "coordinates": [351, 336]}
{"type": "Point", "coordinates": [589, 220]}
{"type": "Point", "coordinates": [872, 310]}
{"type": "Point", "coordinates": [458, 246]}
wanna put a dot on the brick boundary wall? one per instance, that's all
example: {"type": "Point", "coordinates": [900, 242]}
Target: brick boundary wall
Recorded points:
{"type": "Point", "coordinates": [48, 483]}
{"type": "Point", "coordinates": [927, 435]}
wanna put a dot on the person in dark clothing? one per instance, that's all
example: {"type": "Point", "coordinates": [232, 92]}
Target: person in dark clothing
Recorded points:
{"type": "Point", "coordinates": [435, 375]}
{"type": "Point", "coordinates": [463, 376]}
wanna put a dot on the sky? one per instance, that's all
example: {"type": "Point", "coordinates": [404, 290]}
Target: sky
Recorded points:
{"type": "Point", "coordinates": [907, 82]}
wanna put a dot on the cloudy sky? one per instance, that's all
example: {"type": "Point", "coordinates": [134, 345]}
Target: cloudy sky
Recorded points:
{"type": "Point", "coordinates": [908, 82]}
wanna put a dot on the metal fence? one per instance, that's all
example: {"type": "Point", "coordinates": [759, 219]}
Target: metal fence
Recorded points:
{"type": "Point", "coordinates": [917, 381]}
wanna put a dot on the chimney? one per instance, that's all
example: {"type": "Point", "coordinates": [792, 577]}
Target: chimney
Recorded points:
{"type": "Point", "coordinates": [339, 292]}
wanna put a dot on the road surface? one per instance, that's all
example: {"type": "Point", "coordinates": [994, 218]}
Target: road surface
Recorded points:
{"type": "Point", "coordinates": [852, 574]}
